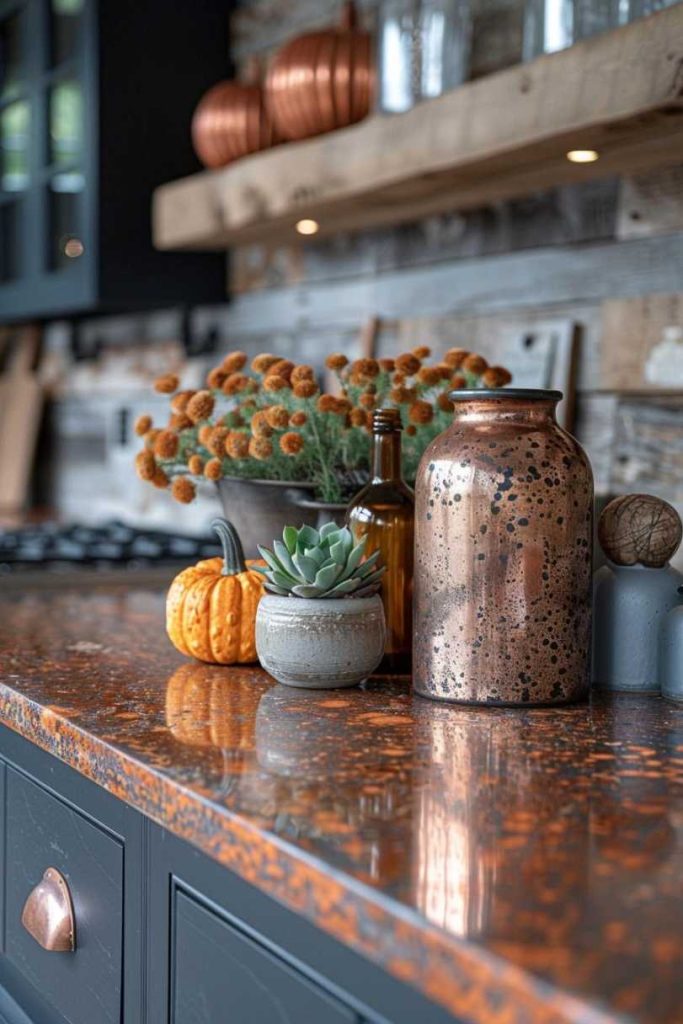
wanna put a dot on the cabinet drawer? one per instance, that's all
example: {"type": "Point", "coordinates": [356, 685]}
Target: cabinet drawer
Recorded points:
{"type": "Point", "coordinates": [42, 832]}
{"type": "Point", "coordinates": [218, 972]}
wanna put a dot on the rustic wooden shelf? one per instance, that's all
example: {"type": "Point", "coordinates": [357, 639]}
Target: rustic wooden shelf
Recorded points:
{"type": "Point", "coordinates": [499, 137]}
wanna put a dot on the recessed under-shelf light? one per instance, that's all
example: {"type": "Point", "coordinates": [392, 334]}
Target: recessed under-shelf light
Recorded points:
{"type": "Point", "coordinates": [583, 156]}
{"type": "Point", "coordinates": [307, 226]}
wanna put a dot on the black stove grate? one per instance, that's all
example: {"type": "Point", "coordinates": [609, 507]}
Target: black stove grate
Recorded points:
{"type": "Point", "coordinates": [52, 546]}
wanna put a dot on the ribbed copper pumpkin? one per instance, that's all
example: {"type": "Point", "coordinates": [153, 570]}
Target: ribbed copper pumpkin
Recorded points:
{"type": "Point", "coordinates": [231, 121]}
{"type": "Point", "coordinates": [321, 80]}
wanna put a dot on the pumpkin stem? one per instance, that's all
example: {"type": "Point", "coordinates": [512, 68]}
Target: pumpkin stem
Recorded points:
{"type": "Point", "coordinates": [233, 552]}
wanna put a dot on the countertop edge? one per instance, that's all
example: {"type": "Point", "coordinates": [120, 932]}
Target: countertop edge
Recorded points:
{"type": "Point", "coordinates": [465, 979]}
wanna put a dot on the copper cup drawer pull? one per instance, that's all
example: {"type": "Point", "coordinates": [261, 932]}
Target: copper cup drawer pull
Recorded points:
{"type": "Point", "coordinates": [48, 914]}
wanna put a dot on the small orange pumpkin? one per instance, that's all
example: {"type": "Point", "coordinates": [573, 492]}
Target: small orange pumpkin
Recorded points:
{"type": "Point", "coordinates": [211, 607]}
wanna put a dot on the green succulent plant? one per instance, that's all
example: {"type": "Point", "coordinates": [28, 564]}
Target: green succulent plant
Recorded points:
{"type": "Point", "coordinates": [324, 563]}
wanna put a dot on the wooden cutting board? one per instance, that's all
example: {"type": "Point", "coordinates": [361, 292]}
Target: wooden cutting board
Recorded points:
{"type": "Point", "coordinates": [21, 404]}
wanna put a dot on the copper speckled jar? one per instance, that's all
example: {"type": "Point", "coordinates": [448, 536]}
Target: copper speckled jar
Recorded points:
{"type": "Point", "coordinates": [503, 551]}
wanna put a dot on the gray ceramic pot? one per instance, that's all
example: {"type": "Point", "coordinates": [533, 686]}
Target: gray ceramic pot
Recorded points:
{"type": "Point", "coordinates": [320, 644]}
{"type": "Point", "coordinates": [630, 603]}
{"type": "Point", "coordinates": [259, 509]}
{"type": "Point", "coordinates": [671, 653]}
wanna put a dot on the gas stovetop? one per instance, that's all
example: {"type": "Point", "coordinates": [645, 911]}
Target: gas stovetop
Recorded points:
{"type": "Point", "coordinates": [64, 548]}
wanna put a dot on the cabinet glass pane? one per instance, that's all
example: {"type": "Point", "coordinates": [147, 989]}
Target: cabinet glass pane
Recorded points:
{"type": "Point", "coordinates": [64, 206]}
{"type": "Point", "coordinates": [66, 123]}
{"type": "Point", "coordinates": [10, 55]}
{"type": "Point", "coordinates": [14, 143]}
{"type": "Point", "coordinates": [65, 18]}
{"type": "Point", "coordinates": [10, 240]}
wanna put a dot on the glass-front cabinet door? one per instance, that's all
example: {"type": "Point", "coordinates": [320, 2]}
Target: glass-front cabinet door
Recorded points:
{"type": "Point", "coordinates": [47, 83]}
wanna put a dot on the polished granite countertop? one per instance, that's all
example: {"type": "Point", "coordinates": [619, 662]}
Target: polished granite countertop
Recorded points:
{"type": "Point", "coordinates": [514, 865]}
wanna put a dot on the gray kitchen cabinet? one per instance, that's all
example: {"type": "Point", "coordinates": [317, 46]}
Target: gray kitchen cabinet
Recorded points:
{"type": "Point", "coordinates": [164, 934]}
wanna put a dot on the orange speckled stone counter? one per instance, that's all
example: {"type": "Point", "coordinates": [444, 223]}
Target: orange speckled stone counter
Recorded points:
{"type": "Point", "coordinates": [515, 865]}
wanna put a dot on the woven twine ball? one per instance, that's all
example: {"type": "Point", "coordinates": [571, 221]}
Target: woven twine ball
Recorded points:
{"type": "Point", "coordinates": [639, 529]}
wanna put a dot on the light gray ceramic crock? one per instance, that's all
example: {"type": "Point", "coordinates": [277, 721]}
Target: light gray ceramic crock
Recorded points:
{"type": "Point", "coordinates": [629, 606]}
{"type": "Point", "coordinates": [671, 653]}
{"type": "Point", "coordinates": [320, 644]}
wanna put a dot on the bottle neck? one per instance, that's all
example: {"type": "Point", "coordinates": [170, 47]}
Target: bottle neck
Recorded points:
{"type": "Point", "coordinates": [386, 456]}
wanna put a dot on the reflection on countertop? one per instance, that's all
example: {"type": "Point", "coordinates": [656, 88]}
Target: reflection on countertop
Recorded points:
{"type": "Point", "coordinates": [516, 865]}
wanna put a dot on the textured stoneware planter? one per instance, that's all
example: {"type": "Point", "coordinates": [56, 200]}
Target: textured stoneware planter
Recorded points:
{"type": "Point", "coordinates": [320, 644]}
{"type": "Point", "coordinates": [258, 509]}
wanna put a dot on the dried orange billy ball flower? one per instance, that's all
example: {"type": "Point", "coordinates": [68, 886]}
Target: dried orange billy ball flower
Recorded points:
{"type": "Point", "coordinates": [262, 363]}
{"type": "Point", "coordinates": [260, 448]}
{"type": "Point", "coordinates": [166, 384]}
{"type": "Point", "coordinates": [160, 479]}
{"type": "Point", "coordinates": [298, 418]}
{"type": "Point", "coordinates": [429, 375]}
{"type": "Point", "coordinates": [327, 403]}
{"type": "Point", "coordinates": [143, 424]}
{"type": "Point", "coordinates": [336, 361]}
{"type": "Point", "coordinates": [302, 372]}
{"type": "Point", "coordinates": [445, 403]}
{"type": "Point", "coordinates": [151, 436]}
{"type": "Point", "coordinates": [283, 368]}
{"type": "Point", "coordinates": [180, 400]}
{"type": "Point", "coordinates": [234, 361]}
{"type": "Point", "coordinates": [455, 357]}
{"type": "Point", "coordinates": [458, 382]}
{"type": "Point", "coordinates": [204, 434]}
{"type": "Point", "coordinates": [421, 412]}
{"type": "Point", "coordinates": [474, 363]}
{"type": "Point", "coordinates": [200, 406]}
{"type": "Point", "coordinates": [422, 352]}
{"type": "Point", "coordinates": [275, 383]}
{"type": "Point", "coordinates": [402, 395]}
{"type": "Point", "coordinates": [358, 417]}
{"type": "Point", "coordinates": [235, 383]}
{"type": "Point", "coordinates": [215, 378]}
{"type": "Point", "coordinates": [213, 470]}
{"type": "Point", "coordinates": [305, 389]}
{"type": "Point", "coordinates": [277, 417]}
{"type": "Point", "coordinates": [237, 444]}
{"type": "Point", "coordinates": [388, 365]}
{"type": "Point", "coordinates": [367, 401]}
{"type": "Point", "coordinates": [216, 440]}
{"type": "Point", "coordinates": [496, 377]}
{"type": "Point", "coordinates": [183, 490]}
{"type": "Point", "coordinates": [166, 445]}
{"type": "Point", "coordinates": [363, 370]}
{"type": "Point", "coordinates": [260, 427]}
{"type": "Point", "coordinates": [145, 465]}
{"type": "Point", "coordinates": [411, 430]}
{"type": "Point", "coordinates": [408, 364]}
{"type": "Point", "coordinates": [291, 443]}
{"type": "Point", "coordinates": [179, 421]}
{"type": "Point", "coordinates": [195, 464]}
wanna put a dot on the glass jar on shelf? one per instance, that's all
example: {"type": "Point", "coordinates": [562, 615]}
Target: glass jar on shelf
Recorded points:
{"type": "Point", "coordinates": [551, 25]}
{"type": "Point", "coordinates": [423, 50]}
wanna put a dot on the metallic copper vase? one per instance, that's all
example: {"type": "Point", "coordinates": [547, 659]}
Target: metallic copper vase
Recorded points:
{"type": "Point", "coordinates": [503, 552]}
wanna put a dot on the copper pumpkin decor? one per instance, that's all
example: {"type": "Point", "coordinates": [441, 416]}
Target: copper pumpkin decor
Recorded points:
{"type": "Point", "coordinates": [322, 80]}
{"type": "Point", "coordinates": [231, 121]}
{"type": "Point", "coordinates": [503, 546]}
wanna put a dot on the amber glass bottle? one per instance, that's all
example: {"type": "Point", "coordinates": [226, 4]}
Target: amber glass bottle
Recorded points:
{"type": "Point", "coordinates": [384, 510]}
